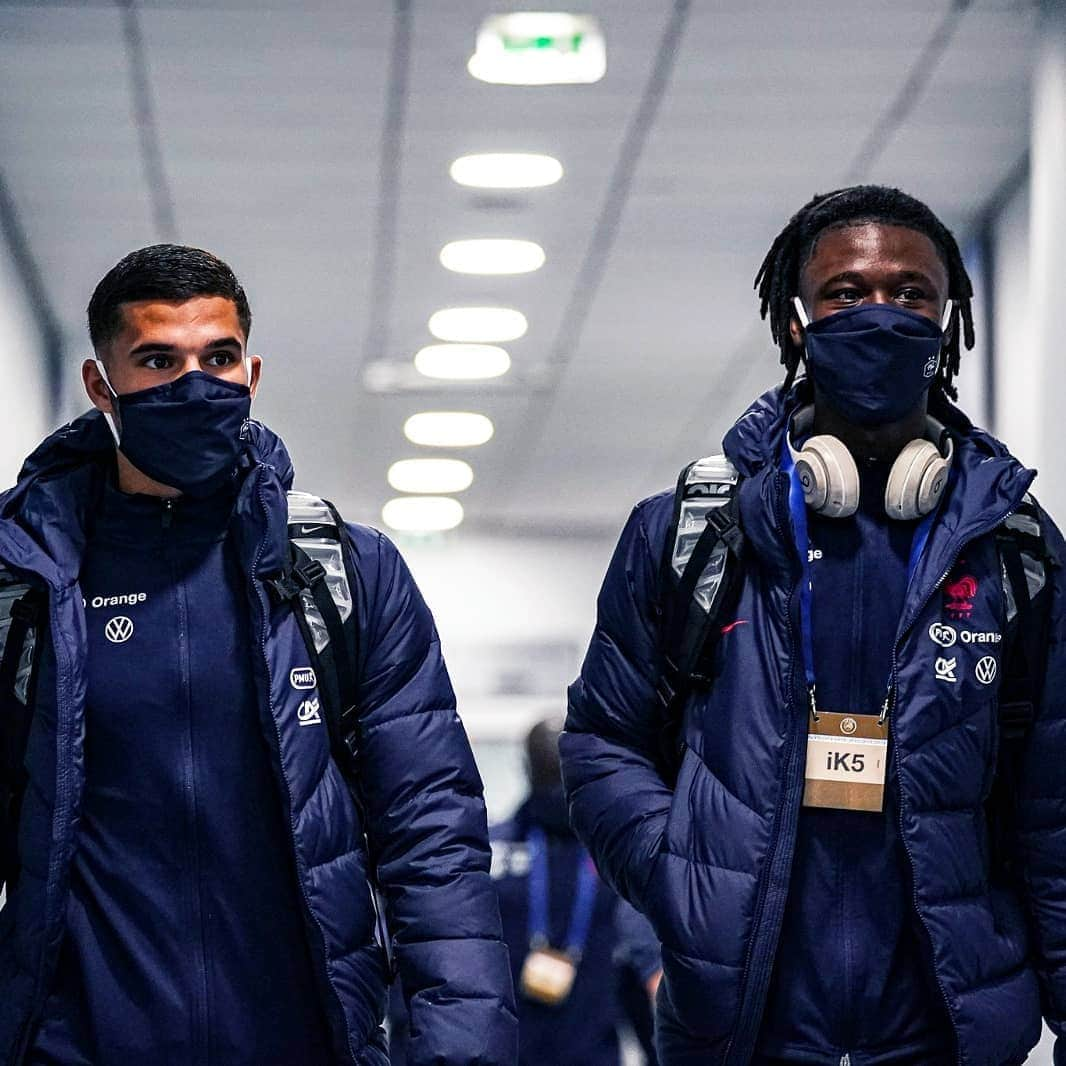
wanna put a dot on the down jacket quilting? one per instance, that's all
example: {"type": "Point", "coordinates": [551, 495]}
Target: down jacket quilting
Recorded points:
{"type": "Point", "coordinates": [708, 861]}
{"type": "Point", "coordinates": [425, 817]}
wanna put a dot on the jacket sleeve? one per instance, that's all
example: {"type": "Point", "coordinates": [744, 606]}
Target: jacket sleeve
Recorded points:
{"type": "Point", "coordinates": [1042, 803]}
{"type": "Point", "coordinates": [428, 834]}
{"type": "Point", "coordinates": [619, 802]}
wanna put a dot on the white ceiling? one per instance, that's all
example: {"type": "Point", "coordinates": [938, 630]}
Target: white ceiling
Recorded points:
{"type": "Point", "coordinates": [308, 144]}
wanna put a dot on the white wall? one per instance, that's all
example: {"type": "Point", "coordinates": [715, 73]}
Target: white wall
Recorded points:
{"type": "Point", "coordinates": [24, 405]}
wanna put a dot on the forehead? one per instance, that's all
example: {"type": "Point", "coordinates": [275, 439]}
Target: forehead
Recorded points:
{"type": "Point", "coordinates": [200, 318]}
{"type": "Point", "coordinates": [874, 247]}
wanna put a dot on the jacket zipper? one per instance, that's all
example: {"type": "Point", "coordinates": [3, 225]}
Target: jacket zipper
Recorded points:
{"type": "Point", "coordinates": [890, 700]}
{"type": "Point", "coordinates": [201, 1031]}
{"type": "Point", "coordinates": [756, 971]}
{"type": "Point", "coordinates": [264, 615]}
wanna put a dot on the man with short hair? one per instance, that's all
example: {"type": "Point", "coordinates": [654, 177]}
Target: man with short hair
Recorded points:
{"type": "Point", "coordinates": [818, 737]}
{"type": "Point", "coordinates": [203, 790]}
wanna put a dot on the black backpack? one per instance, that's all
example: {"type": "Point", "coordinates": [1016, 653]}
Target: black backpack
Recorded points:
{"type": "Point", "coordinates": [702, 571]}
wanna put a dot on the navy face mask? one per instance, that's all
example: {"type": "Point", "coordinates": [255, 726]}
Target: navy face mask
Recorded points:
{"type": "Point", "coordinates": [185, 433]}
{"type": "Point", "coordinates": [873, 362]}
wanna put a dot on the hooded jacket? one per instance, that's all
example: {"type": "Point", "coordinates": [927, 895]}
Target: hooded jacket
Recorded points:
{"type": "Point", "coordinates": [425, 818]}
{"type": "Point", "coordinates": [709, 861]}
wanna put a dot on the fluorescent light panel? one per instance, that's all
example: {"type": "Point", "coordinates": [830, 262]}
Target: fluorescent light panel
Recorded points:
{"type": "Point", "coordinates": [483, 325]}
{"type": "Point", "coordinates": [462, 362]}
{"type": "Point", "coordinates": [433, 476]}
{"type": "Point", "coordinates": [492, 255]}
{"type": "Point", "coordinates": [448, 429]}
{"type": "Point", "coordinates": [422, 514]}
{"type": "Point", "coordinates": [506, 170]}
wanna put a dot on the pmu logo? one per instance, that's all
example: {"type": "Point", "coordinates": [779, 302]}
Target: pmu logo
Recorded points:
{"type": "Point", "coordinates": [302, 677]}
{"type": "Point", "coordinates": [959, 596]}
{"type": "Point", "coordinates": [118, 629]}
{"type": "Point", "coordinates": [308, 713]}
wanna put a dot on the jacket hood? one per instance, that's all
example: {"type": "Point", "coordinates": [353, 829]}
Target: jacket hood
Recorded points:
{"type": "Point", "coordinates": [44, 514]}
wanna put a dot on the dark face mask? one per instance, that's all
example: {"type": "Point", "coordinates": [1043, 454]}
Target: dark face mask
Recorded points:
{"type": "Point", "coordinates": [874, 362]}
{"type": "Point", "coordinates": [185, 433]}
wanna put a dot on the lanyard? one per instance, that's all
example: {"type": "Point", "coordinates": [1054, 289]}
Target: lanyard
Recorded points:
{"type": "Point", "coordinates": [580, 918]}
{"type": "Point", "coordinates": [798, 508]}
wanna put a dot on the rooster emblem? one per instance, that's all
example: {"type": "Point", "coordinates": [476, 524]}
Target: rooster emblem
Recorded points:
{"type": "Point", "coordinates": [959, 595]}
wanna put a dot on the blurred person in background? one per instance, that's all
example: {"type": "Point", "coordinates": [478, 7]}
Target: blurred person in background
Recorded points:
{"type": "Point", "coordinates": [819, 737]}
{"type": "Point", "coordinates": [202, 775]}
{"type": "Point", "coordinates": [584, 962]}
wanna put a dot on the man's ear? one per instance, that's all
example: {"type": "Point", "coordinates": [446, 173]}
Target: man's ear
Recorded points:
{"type": "Point", "coordinates": [95, 387]}
{"type": "Point", "coordinates": [256, 364]}
{"type": "Point", "coordinates": [795, 331]}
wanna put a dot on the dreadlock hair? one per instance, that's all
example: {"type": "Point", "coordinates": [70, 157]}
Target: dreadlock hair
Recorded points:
{"type": "Point", "coordinates": [778, 279]}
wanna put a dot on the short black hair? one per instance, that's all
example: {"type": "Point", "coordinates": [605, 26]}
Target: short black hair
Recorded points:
{"type": "Point", "coordinates": [542, 755]}
{"type": "Point", "coordinates": [161, 272]}
{"type": "Point", "coordinates": [777, 281]}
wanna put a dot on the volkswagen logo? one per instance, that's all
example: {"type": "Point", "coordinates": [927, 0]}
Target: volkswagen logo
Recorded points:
{"type": "Point", "coordinates": [119, 630]}
{"type": "Point", "coordinates": [986, 669]}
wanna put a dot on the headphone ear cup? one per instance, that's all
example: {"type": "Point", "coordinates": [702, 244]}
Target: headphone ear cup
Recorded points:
{"type": "Point", "coordinates": [916, 481]}
{"type": "Point", "coordinates": [829, 477]}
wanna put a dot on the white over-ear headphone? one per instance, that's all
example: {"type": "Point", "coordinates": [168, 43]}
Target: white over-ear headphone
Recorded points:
{"type": "Point", "coordinates": [830, 478]}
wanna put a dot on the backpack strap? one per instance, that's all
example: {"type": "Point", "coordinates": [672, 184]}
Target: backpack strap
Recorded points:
{"type": "Point", "coordinates": [321, 583]}
{"type": "Point", "coordinates": [700, 578]}
{"type": "Point", "coordinates": [1024, 562]}
{"type": "Point", "coordinates": [21, 612]}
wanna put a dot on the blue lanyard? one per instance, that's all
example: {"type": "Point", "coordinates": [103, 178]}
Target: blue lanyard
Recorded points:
{"type": "Point", "coordinates": [798, 509]}
{"type": "Point", "coordinates": [539, 920]}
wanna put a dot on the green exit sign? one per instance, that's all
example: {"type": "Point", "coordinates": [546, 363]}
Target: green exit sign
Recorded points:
{"type": "Point", "coordinates": [539, 48]}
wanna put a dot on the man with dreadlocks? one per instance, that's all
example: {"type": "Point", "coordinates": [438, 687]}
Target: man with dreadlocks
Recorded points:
{"type": "Point", "coordinates": [819, 734]}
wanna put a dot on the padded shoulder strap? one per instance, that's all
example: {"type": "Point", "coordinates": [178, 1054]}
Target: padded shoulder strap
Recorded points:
{"type": "Point", "coordinates": [700, 581]}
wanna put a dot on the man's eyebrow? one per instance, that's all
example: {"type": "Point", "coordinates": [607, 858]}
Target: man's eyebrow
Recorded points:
{"type": "Point", "coordinates": [857, 277]}
{"type": "Point", "coordinates": [162, 346]}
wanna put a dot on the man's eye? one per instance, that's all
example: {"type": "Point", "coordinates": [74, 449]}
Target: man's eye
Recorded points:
{"type": "Point", "coordinates": [156, 362]}
{"type": "Point", "coordinates": [845, 295]}
{"type": "Point", "coordinates": [911, 295]}
{"type": "Point", "coordinates": [221, 359]}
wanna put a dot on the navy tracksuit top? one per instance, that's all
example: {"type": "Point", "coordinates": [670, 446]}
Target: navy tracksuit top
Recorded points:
{"type": "Point", "coordinates": [850, 977]}
{"type": "Point", "coordinates": [185, 943]}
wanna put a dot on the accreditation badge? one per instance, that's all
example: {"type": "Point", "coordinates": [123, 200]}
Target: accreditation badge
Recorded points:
{"type": "Point", "coordinates": [547, 976]}
{"type": "Point", "coordinates": [847, 756]}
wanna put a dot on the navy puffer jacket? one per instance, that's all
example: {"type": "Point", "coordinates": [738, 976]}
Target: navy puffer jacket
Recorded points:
{"type": "Point", "coordinates": [422, 793]}
{"type": "Point", "coordinates": [708, 862]}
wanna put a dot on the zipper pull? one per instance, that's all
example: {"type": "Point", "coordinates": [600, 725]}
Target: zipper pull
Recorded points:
{"type": "Point", "coordinates": [886, 706]}
{"type": "Point", "coordinates": [168, 512]}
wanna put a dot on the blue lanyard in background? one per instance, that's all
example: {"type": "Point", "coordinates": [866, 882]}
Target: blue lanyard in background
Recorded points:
{"type": "Point", "coordinates": [539, 896]}
{"type": "Point", "coordinates": [798, 509]}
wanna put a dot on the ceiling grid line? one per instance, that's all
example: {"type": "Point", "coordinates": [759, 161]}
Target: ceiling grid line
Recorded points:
{"type": "Point", "coordinates": [594, 265]}
{"type": "Point", "coordinates": [383, 247]}
{"type": "Point", "coordinates": [907, 98]}
{"type": "Point", "coordinates": [155, 175]}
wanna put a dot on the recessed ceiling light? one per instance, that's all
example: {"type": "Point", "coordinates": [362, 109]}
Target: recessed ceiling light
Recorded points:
{"type": "Point", "coordinates": [430, 475]}
{"type": "Point", "coordinates": [506, 170]}
{"type": "Point", "coordinates": [448, 429]}
{"type": "Point", "coordinates": [539, 48]}
{"type": "Point", "coordinates": [478, 324]}
{"type": "Point", "coordinates": [462, 362]}
{"type": "Point", "coordinates": [422, 514]}
{"type": "Point", "coordinates": [492, 255]}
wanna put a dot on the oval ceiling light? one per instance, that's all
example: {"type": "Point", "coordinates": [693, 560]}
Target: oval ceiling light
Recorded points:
{"type": "Point", "coordinates": [432, 476]}
{"type": "Point", "coordinates": [462, 362]}
{"type": "Point", "coordinates": [448, 429]}
{"type": "Point", "coordinates": [422, 514]}
{"type": "Point", "coordinates": [492, 255]}
{"type": "Point", "coordinates": [479, 324]}
{"type": "Point", "coordinates": [506, 170]}
{"type": "Point", "coordinates": [539, 48]}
